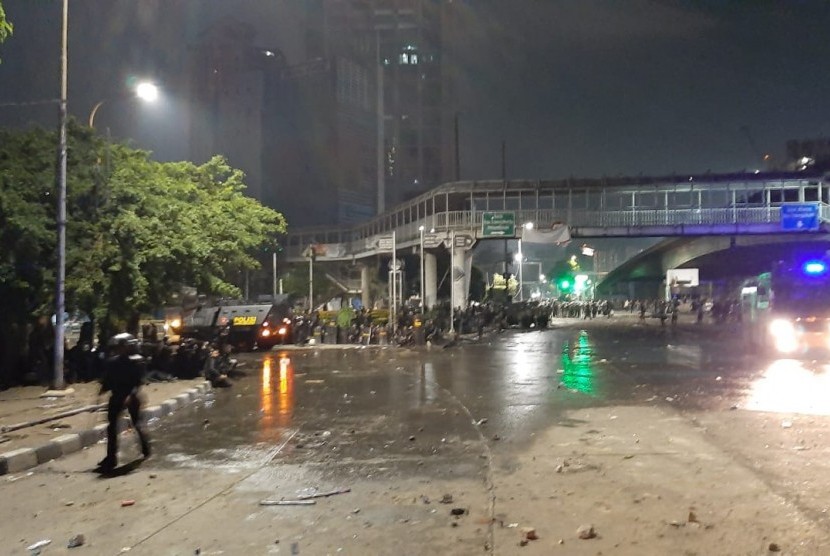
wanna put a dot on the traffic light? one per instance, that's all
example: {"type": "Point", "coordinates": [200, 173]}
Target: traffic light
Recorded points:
{"type": "Point", "coordinates": [564, 285]}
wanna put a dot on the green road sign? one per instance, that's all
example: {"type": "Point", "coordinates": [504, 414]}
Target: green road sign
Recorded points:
{"type": "Point", "coordinates": [498, 224]}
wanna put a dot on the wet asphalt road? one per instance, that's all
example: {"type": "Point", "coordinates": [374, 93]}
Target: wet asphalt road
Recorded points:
{"type": "Point", "coordinates": [641, 415]}
{"type": "Point", "coordinates": [352, 405]}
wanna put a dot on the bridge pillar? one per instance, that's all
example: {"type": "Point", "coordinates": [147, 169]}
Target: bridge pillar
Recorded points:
{"type": "Point", "coordinates": [430, 279]}
{"type": "Point", "coordinates": [364, 286]}
{"type": "Point", "coordinates": [462, 263]}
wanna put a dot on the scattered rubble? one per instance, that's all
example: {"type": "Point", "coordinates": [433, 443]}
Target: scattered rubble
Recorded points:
{"type": "Point", "coordinates": [586, 532]}
{"type": "Point", "coordinates": [38, 545]}
{"type": "Point", "coordinates": [125, 503]}
{"type": "Point", "coordinates": [76, 541]}
{"type": "Point", "coordinates": [529, 534]}
{"type": "Point", "coordinates": [773, 547]}
{"type": "Point", "coordinates": [446, 499]}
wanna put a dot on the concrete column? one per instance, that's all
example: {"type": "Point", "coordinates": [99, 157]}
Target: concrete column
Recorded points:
{"type": "Point", "coordinates": [430, 279]}
{"type": "Point", "coordinates": [461, 261]}
{"type": "Point", "coordinates": [364, 286]}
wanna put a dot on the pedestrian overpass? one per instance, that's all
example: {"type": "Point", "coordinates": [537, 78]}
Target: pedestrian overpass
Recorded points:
{"type": "Point", "coordinates": [688, 205]}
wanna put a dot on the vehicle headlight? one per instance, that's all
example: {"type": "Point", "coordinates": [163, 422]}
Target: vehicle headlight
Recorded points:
{"type": "Point", "coordinates": [175, 323]}
{"type": "Point", "coordinates": [784, 335]}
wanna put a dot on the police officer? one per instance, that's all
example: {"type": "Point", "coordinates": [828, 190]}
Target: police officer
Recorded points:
{"type": "Point", "coordinates": [123, 376]}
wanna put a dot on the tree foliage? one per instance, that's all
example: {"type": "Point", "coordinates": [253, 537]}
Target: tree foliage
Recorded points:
{"type": "Point", "coordinates": [6, 27]}
{"type": "Point", "coordinates": [137, 229]}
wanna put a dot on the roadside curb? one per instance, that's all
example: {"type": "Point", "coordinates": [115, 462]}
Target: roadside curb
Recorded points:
{"type": "Point", "coordinates": [22, 459]}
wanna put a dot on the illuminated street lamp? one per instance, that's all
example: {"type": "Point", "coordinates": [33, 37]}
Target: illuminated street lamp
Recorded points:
{"type": "Point", "coordinates": [144, 91]}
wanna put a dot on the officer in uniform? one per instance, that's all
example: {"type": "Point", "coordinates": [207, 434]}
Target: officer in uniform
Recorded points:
{"type": "Point", "coordinates": [123, 376]}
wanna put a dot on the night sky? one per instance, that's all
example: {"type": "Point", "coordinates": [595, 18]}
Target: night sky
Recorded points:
{"type": "Point", "coordinates": [575, 88]}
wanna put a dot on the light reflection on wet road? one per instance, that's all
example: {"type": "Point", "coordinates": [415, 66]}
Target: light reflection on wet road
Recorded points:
{"type": "Point", "coordinates": [358, 405]}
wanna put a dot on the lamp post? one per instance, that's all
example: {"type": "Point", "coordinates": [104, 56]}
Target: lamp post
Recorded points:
{"type": "Point", "coordinates": [421, 278]}
{"type": "Point", "coordinates": [592, 252]}
{"type": "Point", "coordinates": [518, 258]}
{"type": "Point", "coordinates": [60, 274]}
{"type": "Point", "coordinates": [145, 91]}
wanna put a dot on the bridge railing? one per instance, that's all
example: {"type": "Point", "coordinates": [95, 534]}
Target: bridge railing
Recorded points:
{"type": "Point", "coordinates": [356, 242]}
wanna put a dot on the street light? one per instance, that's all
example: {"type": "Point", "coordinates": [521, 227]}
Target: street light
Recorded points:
{"type": "Point", "coordinates": [421, 279]}
{"type": "Point", "coordinates": [518, 258]}
{"type": "Point", "coordinates": [145, 91]}
{"type": "Point", "coordinates": [58, 382]}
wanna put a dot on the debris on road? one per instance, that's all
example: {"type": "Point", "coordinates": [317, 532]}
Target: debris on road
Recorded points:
{"type": "Point", "coordinates": [773, 547]}
{"type": "Point", "coordinates": [446, 499]}
{"type": "Point", "coordinates": [786, 424]}
{"type": "Point", "coordinates": [481, 422]}
{"type": "Point", "coordinates": [458, 511]}
{"type": "Point", "coordinates": [35, 548]}
{"type": "Point", "coordinates": [287, 502]}
{"type": "Point", "coordinates": [586, 532]}
{"type": "Point", "coordinates": [125, 503]}
{"type": "Point", "coordinates": [326, 494]}
{"type": "Point", "coordinates": [529, 534]}
{"type": "Point", "coordinates": [76, 541]}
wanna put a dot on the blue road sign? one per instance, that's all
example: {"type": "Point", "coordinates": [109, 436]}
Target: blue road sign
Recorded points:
{"type": "Point", "coordinates": [800, 217]}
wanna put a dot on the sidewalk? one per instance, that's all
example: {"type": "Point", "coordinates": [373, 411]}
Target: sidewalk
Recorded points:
{"type": "Point", "coordinates": [26, 447]}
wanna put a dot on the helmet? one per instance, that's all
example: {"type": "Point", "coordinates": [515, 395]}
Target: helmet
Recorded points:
{"type": "Point", "coordinates": [123, 339]}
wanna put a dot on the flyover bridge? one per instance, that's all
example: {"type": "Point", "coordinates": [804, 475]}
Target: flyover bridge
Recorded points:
{"type": "Point", "coordinates": [696, 205]}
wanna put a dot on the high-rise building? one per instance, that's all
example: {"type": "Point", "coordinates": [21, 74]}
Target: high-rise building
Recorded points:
{"type": "Point", "coordinates": [358, 119]}
{"type": "Point", "coordinates": [320, 120]}
{"type": "Point", "coordinates": [227, 92]}
{"type": "Point", "coordinates": [415, 41]}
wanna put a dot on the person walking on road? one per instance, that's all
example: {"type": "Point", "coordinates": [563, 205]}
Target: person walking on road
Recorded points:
{"type": "Point", "coordinates": [123, 377]}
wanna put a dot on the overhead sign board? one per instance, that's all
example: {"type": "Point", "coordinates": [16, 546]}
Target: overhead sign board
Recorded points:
{"type": "Point", "coordinates": [683, 277]}
{"type": "Point", "coordinates": [498, 224]}
{"type": "Point", "coordinates": [431, 241]}
{"type": "Point", "coordinates": [464, 241]}
{"type": "Point", "coordinates": [386, 243]}
{"type": "Point", "coordinates": [800, 217]}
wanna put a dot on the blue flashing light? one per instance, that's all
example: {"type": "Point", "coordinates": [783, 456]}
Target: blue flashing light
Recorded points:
{"type": "Point", "coordinates": [814, 268]}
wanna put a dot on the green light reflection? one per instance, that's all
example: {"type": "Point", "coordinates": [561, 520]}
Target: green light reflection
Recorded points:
{"type": "Point", "coordinates": [577, 358]}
